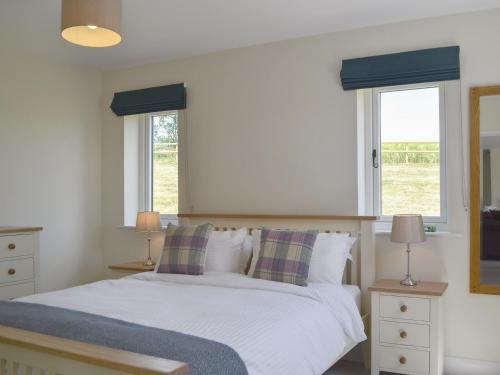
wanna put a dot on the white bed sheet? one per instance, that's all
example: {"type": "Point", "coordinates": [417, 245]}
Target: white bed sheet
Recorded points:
{"type": "Point", "coordinates": [276, 328]}
{"type": "Point", "coordinates": [355, 293]}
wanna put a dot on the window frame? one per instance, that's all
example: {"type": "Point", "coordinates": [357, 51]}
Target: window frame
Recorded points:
{"type": "Point", "coordinates": [374, 143]}
{"type": "Point", "coordinates": [146, 163]}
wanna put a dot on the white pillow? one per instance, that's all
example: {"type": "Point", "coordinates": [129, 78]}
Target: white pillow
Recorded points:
{"type": "Point", "coordinates": [224, 250]}
{"type": "Point", "coordinates": [245, 253]}
{"type": "Point", "coordinates": [255, 251]}
{"type": "Point", "coordinates": [329, 257]}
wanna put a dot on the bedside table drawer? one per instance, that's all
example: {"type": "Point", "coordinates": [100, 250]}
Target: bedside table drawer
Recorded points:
{"type": "Point", "coordinates": [406, 360]}
{"type": "Point", "coordinates": [404, 333]}
{"type": "Point", "coordinates": [17, 291]}
{"type": "Point", "coordinates": [120, 274]}
{"type": "Point", "coordinates": [399, 307]}
{"type": "Point", "coordinates": [14, 246]}
{"type": "Point", "coordinates": [16, 270]}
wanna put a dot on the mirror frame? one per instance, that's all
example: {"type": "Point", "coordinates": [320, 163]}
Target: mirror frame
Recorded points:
{"type": "Point", "coordinates": [475, 195]}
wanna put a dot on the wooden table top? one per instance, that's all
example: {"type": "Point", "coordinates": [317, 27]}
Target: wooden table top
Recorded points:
{"type": "Point", "coordinates": [427, 288]}
{"type": "Point", "coordinates": [12, 229]}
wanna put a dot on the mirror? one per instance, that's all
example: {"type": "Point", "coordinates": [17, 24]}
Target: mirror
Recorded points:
{"type": "Point", "coordinates": [485, 190]}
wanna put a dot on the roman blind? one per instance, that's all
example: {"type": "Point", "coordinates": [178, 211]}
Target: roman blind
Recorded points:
{"type": "Point", "coordinates": [153, 99]}
{"type": "Point", "coordinates": [427, 65]}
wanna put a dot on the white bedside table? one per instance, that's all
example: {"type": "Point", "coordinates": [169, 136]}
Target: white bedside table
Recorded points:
{"type": "Point", "coordinates": [407, 332]}
{"type": "Point", "coordinates": [127, 269]}
{"type": "Point", "coordinates": [19, 261]}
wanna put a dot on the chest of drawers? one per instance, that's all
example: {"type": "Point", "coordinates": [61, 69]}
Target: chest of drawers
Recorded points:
{"type": "Point", "coordinates": [19, 262]}
{"type": "Point", "coordinates": [406, 328]}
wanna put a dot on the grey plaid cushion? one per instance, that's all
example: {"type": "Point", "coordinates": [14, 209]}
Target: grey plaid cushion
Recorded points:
{"type": "Point", "coordinates": [184, 249]}
{"type": "Point", "coordinates": [285, 256]}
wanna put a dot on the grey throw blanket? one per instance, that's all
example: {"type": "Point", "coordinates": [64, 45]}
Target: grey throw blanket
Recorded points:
{"type": "Point", "coordinates": [203, 356]}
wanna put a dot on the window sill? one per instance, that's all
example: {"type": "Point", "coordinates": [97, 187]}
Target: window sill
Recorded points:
{"type": "Point", "coordinates": [428, 234]}
{"type": "Point", "coordinates": [132, 227]}
{"type": "Point", "coordinates": [385, 226]}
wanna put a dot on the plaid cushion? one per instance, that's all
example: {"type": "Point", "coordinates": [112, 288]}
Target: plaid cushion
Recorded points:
{"type": "Point", "coordinates": [285, 256]}
{"type": "Point", "coordinates": [184, 250]}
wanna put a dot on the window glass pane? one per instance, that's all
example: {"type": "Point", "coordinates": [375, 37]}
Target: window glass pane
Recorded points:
{"type": "Point", "coordinates": [410, 168]}
{"type": "Point", "coordinates": [165, 163]}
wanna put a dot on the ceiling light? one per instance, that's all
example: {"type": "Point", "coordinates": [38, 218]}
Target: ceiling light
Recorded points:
{"type": "Point", "coordinates": [92, 23]}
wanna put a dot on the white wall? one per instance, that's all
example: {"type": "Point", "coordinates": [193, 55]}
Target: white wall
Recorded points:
{"type": "Point", "coordinates": [270, 130]}
{"type": "Point", "coordinates": [50, 163]}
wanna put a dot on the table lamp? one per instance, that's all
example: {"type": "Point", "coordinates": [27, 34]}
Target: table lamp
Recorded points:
{"type": "Point", "coordinates": [408, 229]}
{"type": "Point", "coordinates": [147, 222]}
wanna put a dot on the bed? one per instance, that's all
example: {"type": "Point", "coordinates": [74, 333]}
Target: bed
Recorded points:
{"type": "Point", "coordinates": [275, 328]}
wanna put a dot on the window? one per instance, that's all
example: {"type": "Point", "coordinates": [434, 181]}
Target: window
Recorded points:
{"type": "Point", "coordinates": [408, 152]}
{"type": "Point", "coordinates": [152, 170]}
{"type": "Point", "coordinates": [161, 164]}
{"type": "Point", "coordinates": [165, 157]}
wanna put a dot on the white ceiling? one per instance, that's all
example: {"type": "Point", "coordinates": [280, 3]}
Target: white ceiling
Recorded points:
{"type": "Point", "coordinates": [156, 30]}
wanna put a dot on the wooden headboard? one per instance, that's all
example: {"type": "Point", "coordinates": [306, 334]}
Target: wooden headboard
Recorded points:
{"type": "Point", "coordinates": [361, 271]}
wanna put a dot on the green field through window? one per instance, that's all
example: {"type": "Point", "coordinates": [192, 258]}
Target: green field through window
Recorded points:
{"type": "Point", "coordinates": [165, 164]}
{"type": "Point", "coordinates": [410, 178]}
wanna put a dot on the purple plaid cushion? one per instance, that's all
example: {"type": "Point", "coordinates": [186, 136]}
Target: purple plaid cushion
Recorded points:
{"type": "Point", "coordinates": [285, 256]}
{"type": "Point", "coordinates": [184, 249]}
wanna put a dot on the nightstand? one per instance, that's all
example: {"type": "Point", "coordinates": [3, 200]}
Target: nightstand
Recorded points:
{"type": "Point", "coordinates": [126, 269]}
{"type": "Point", "coordinates": [19, 262]}
{"type": "Point", "coordinates": [407, 329]}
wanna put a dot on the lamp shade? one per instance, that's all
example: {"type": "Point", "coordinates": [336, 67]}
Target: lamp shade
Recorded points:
{"type": "Point", "coordinates": [408, 229]}
{"type": "Point", "coordinates": [92, 23]}
{"type": "Point", "coordinates": [148, 221]}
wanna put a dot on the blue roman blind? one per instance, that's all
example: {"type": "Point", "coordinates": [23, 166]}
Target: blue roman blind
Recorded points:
{"type": "Point", "coordinates": [427, 65]}
{"type": "Point", "coordinates": [153, 99]}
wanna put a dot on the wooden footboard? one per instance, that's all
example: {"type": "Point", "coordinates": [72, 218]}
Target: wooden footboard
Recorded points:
{"type": "Point", "coordinates": [27, 353]}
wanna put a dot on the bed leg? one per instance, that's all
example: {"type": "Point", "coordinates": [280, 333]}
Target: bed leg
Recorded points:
{"type": "Point", "coordinates": [366, 345]}
{"type": "Point", "coordinates": [367, 354]}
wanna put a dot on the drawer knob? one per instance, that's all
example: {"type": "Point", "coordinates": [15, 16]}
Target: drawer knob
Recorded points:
{"type": "Point", "coordinates": [403, 334]}
{"type": "Point", "coordinates": [12, 246]}
{"type": "Point", "coordinates": [12, 271]}
{"type": "Point", "coordinates": [404, 308]}
{"type": "Point", "coordinates": [402, 360]}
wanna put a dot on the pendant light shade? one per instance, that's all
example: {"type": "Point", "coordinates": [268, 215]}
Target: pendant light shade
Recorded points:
{"type": "Point", "coordinates": [92, 23]}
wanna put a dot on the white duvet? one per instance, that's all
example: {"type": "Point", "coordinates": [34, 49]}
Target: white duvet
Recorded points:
{"type": "Point", "coordinates": [276, 328]}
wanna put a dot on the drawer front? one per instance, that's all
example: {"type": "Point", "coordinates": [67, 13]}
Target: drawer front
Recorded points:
{"type": "Point", "coordinates": [17, 291]}
{"type": "Point", "coordinates": [404, 334]}
{"type": "Point", "coordinates": [399, 307]}
{"type": "Point", "coordinates": [16, 270]}
{"type": "Point", "coordinates": [118, 274]}
{"type": "Point", "coordinates": [13, 246]}
{"type": "Point", "coordinates": [404, 360]}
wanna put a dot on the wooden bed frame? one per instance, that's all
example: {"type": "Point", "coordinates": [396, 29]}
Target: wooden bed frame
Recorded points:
{"type": "Point", "coordinates": [28, 353]}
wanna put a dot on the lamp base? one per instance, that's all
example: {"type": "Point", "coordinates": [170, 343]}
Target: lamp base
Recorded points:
{"type": "Point", "coordinates": [408, 281]}
{"type": "Point", "coordinates": [149, 262]}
